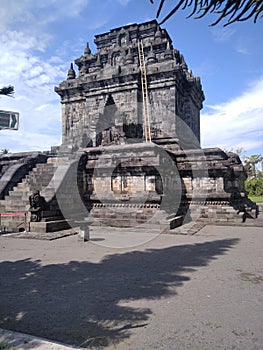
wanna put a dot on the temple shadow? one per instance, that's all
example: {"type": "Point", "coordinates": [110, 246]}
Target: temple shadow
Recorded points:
{"type": "Point", "coordinates": [86, 304]}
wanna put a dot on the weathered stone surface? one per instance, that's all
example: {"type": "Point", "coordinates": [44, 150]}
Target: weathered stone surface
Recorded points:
{"type": "Point", "coordinates": [107, 92]}
{"type": "Point", "coordinates": [14, 167]}
{"type": "Point", "coordinates": [46, 236]}
{"type": "Point", "coordinates": [105, 170]}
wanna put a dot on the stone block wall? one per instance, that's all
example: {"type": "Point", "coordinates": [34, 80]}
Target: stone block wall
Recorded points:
{"type": "Point", "coordinates": [114, 72]}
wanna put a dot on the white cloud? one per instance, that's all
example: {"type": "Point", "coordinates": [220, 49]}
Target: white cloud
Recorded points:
{"type": "Point", "coordinates": [13, 13]}
{"type": "Point", "coordinates": [222, 34]}
{"type": "Point", "coordinates": [33, 78]}
{"type": "Point", "coordinates": [59, 9]}
{"type": "Point", "coordinates": [237, 123]}
{"type": "Point", "coordinates": [25, 62]}
{"type": "Point", "coordinates": [26, 141]}
{"type": "Point", "coordinates": [35, 14]}
{"type": "Point", "coordinates": [124, 2]}
{"type": "Point", "coordinates": [242, 50]}
{"type": "Point", "coordinates": [243, 45]}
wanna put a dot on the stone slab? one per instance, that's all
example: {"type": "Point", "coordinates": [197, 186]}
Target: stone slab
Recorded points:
{"type": "Point", "coordinates": [48, 236]}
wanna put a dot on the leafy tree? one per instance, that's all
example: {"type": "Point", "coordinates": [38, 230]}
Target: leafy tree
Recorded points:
{"type": "Point", "coordinates": [4, 151]}
{"type": "Point", "coordinates": [7, 91]}
{"type": "Point", "coordinates": [240, 151]}
{"type": "Point", "coordinates": [234, 10]}
{"type": "Point", "coordinates": [251, 163]}
{"type": "Point", "coordinates": [254, 186]}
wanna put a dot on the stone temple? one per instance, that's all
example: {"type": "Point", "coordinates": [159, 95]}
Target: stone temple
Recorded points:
{"type": "Point", "coordinates": [107, 94]}
{"type": "Point", "coordinates": [130, 152]}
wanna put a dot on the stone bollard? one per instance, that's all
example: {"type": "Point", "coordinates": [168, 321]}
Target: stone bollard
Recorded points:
{"type": "Point", "coordinates": [83, 230]}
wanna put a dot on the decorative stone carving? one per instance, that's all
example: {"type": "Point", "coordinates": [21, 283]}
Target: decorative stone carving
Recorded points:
{"type": "Point", "coordinates": [104, 105]}
{"type": "Point", "coordinates": [114, 71]}
{"type": "Point", "coordinates": [71, 72]}
{"type": "Point", "coordinates": [37, 205]}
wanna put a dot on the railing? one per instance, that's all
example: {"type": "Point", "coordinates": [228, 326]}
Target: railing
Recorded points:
{"type": "Point", "coordinates": [25, 222]}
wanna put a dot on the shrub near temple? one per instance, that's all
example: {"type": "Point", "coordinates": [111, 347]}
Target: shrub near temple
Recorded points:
{"type": "Point", "coordinates": [254, 187]}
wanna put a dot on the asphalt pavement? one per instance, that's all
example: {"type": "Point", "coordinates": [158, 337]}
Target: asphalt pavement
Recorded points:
{"type": "Point", "coordinates": [176, 292]}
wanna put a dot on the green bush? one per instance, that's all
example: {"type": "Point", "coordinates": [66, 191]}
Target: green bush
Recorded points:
{"type": "Point", "coordinates": [254, 187]}
{"type": "Point", "coordinates": [256, 199]}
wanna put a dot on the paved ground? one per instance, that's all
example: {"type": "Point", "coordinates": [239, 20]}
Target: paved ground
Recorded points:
{"type": "Point", "coordinates": [172, 292]}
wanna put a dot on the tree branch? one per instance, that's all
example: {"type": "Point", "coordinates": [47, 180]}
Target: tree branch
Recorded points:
{"type": "Point", "coordinates": [232, 10]}
{"type": "Point", "coordinates": [7, 91]}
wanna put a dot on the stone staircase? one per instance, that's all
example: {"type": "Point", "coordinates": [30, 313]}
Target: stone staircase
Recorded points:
{"type": "Point", "coordinates": [14, 207]}
{"type": "Point", "coordinates": [17, 200]}
{"type": "Point", "coordinates": [56, 181]}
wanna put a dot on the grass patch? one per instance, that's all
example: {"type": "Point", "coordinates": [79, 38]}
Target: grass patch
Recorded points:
{"type": "Point", "coordinates": [256, 199]}
{"type": "Point", "coordinates": [5, 347]}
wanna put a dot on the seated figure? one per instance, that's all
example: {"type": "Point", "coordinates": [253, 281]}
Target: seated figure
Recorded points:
{"type": "Point", "coordinates": [37, 204]}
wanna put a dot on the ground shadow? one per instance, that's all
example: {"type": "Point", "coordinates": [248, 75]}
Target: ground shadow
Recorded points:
{"type": "Point", "coordinates": [79, 303]}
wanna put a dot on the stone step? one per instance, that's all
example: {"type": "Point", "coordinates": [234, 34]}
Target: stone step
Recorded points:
{"type": "Point", "coordinates": [12, 224]}
{"type": "Point", "coordinates": [15, 200]}
{"type": "Point", "coordinates": [39, 178]}
{"type": "Point", "coordinates": [125, 217]}
{"type": "Point", "coordinates": [43, 171]}
{"type": "Point", "coordinates": [9, 201]}
{"type": "Point", "coordinates": [16, 208]}
{"type": "Point", "coordinates": [40, 166]}
{"type": "Point", "coordinates": [22, 184]}
{"type": "Point", "coordinates": [21, 187]}
{"type": "Point", "coordinates": [56, 161]}
{"type": "Point", "coordinates": [47, 166]}
{"type": "Point", "coordinates": [12, 219]}
{"type": "Point", "coordinates": [39, 181]}
{"type": "Point", "coordinates": [18, 192]}
{"type": "Point", "coordinates": [32, 176]}
{"type": "Point", "coordinates": [51, 226]}
{"type": "Point", "coordinates": [168, 224]}
{"type": "Point", "coordinates": [18, 195]}
{"type": "Point", "coordinates": [52, 218]}
{"type": "Point", "coordinates": [116, 223]}
{"type": "Point", "coordinates": [174, 222]}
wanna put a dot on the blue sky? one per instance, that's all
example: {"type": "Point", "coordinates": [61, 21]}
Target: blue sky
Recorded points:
{"type": "Point", "coordinates": [39, 40]}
